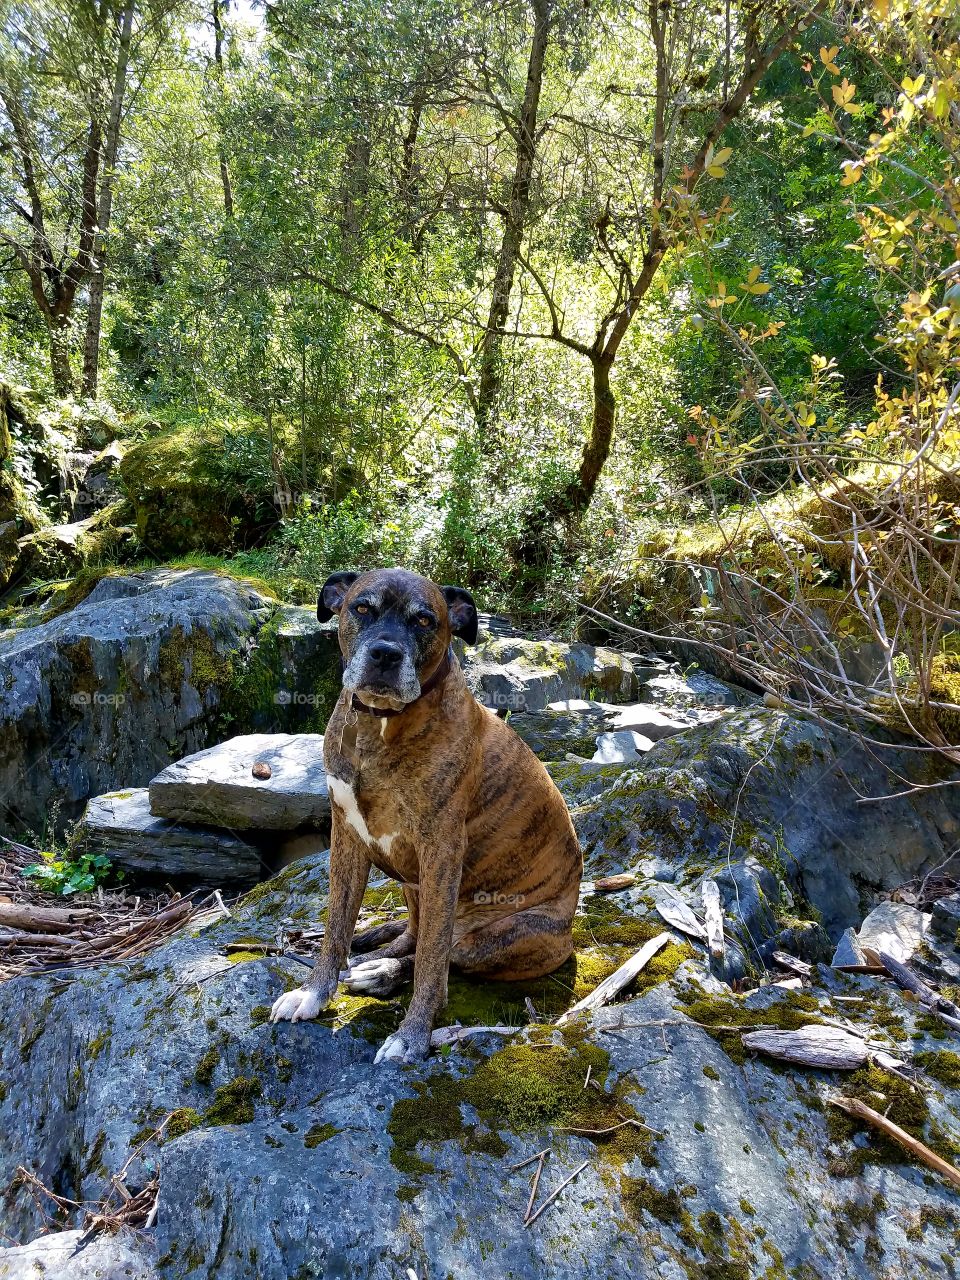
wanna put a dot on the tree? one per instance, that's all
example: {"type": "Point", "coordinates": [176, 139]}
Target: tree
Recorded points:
{"type": "Point", "coordinates": [64, 77]}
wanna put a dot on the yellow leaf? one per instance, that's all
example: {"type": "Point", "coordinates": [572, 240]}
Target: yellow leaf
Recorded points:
{"type": "Point", "coordinates": [753, 275]}
{"type": "Point", "coordinates": [852, 172]}
{"type": "Point", "coordinates": [827, 58]}
{"type": "Point", "coordinates": [723, 155]}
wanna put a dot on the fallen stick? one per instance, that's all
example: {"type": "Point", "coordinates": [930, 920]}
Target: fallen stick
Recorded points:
{"type": "Point", "coordinates": [613, 1128]}
{"type": "Point", "coordinates": [611, 987]}
{"type": "Point", "coordinates": [713, 920]}
{"type": "Point", "coordinates": [514, 1168]}
{"type": "Point", "coordinates": [906, 978]}
{"type": "Point", "coordinates": [534, 1185]}
{"type": "Point", "coordinates": [553, 1195]}
{"type": "Point", "coordinates": [860, 1110]}
{"type": "Point", "coordinates": [20, 915]}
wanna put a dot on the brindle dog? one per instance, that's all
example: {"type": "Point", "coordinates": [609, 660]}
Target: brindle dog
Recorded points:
{"type": "Point", "coordinates": [442, 795]}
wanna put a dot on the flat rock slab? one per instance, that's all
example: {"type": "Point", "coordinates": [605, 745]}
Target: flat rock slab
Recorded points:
{"type": "Point", "coordinates": [71, 1255]}
{"type": "Point", "coordinates": [695, 689]}
{"type": "Point", "coordinates": [621, 747]}
{"type": "Point", "coordinates": [217, 787]}
{"type": "Point", "coordinates": [120, 825]}
{"type": "Point", "coordinates": [656, 723]}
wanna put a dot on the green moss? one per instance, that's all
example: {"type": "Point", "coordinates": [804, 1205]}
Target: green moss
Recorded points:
{"type": "Point", "coordinates": [207, 1065]}
{"type": "Point", "coordinates": [711, 1072]}
{"type": "Point", "coordinates": [640, 1196]}
{"type": "Point", "coordinates": [193, 656]}
{"type": "Point", "coordinates": [942, 1065]}
{"type": "Point", "coordinates": [407, 1192]}
{"type": "Point", "coordinates": [259, 1014]}
{"type": "Point", "coordinates": [244, 957]}
{"type": "Point", "coordinates": [319, 1133]}
{"type": "Point", "coordinates": [233, 1102]}
{"type": "Point", "coordinates": [98, 1044]}
{"type": "Point", "coordinates": [893, 1097]}
{"type": "Point", "coordinates": [182, 1121]}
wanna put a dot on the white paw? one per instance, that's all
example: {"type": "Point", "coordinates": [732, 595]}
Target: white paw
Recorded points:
{"type": "Point", "coordinates": [297, 1006]}
{"type": "Point", "coordinates": [396, 1049]}
{"type": "Point", "coordinates": [370, 977]}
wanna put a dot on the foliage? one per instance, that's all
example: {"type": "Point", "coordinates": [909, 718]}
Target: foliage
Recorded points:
{"type": "Point", "coordinates": [67, 874]}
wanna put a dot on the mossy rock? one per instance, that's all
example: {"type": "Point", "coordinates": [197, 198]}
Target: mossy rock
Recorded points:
{"type": "Point", "coordinates": [201, 486]}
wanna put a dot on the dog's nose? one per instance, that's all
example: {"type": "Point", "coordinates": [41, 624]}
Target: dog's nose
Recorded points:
{"type": "Point", "coordinates": [386, 655]}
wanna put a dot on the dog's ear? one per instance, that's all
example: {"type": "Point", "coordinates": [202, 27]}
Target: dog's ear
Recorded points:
{"type": "Point", "coordinates": [330, 600]}
{"type": "Point", "coordinates": [462, 613]}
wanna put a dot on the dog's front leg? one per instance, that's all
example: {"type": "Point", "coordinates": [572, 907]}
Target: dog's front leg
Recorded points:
{"type": "Point", "coordinates": [441, 866]}
{"type": "Point", "coordinates": [349, 869]}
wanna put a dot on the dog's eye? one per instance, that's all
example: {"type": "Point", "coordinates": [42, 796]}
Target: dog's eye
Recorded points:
{"type": "Point", "coordinates": [362, 608]}
{"type": "Point", "coordinates": [424, 620]}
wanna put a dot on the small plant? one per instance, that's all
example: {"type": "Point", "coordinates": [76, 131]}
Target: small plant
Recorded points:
{"type": "Point", "coordinates": [65, 874]}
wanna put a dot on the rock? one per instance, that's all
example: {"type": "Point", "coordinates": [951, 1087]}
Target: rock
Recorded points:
{"type": "Point", "coordinates": [946, 916]}
{"type": "Point", "coordinates": [71, 1255]}
{"type": "Point", "coordinates": [513, 674]}
{"type": "Point", "coordinates": [286, 1137]}
{"type": "Point", "coordinates": [695, 689]}
{"type": "Point", "coordinates": [149, 667]}
{"type": "Point", "coordinates": [218, 786]}
{"type": "Point", "coordinates": [655, 723]}
{"type": "Point", "coordinates": [621, 747]}
{"type": "Point", "coordinates": [201, 488]}
{"type": "Point", "coordinates": [776, 787]}
{"type": "Point", "coordinates": [62, 550]}
{"type": "Point", "coordinates": [553, 734]}
{"type": "Point", "coordinates": [895, 928]}
{"type": "Point", "coordinates": [849, 951]}
{"type": "Point", "coordinates": [120, 825]}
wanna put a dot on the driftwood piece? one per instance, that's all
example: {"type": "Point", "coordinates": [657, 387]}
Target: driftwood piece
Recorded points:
{"type": "Point", "coordinates": [611, 987]}
{"type": "Point", "coordinates": [672, 908]}
{"type": "Point", "coordinates": [792, 964]}
{"type": "Point", "coordinates": [22, 915]}
{"type": "Point", "coordinates": [454, 1035]}
{"type": "Point", "coordinates": [713, 919]}
{"type": "Point", "coordinates": [828, 1048]}
{"type": "Point", "coordinates": [531, 1219]}
{"type": "Point", "coordinates": [860, 1110]}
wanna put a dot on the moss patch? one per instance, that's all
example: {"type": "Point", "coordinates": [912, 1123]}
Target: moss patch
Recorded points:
{"type": "Point", "coordinates": [233, 1102]}
{"type": "Point", "coordinates": [722, 1017]}
{"type": "Point", "coordinates": [318, 1133]}
{"type": "Point", "coordinates": [942, 1065]}
{"type": "Point", "coordinates": [182, 1121]}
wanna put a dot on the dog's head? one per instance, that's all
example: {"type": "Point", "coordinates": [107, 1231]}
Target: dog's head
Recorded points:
{"type": "Point", "coordinates": [395, 628]}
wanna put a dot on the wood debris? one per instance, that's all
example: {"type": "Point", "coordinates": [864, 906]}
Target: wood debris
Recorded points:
{"type": "Point", "coordinates": [42, 932]}
{"type": "Point", "coordinates": [860, 1111]}
{"type": "Point", "coordinates": [531, 1218]}
{"type": "Point", "coordinates": [614, 884]}
{"type": "Point", "coordinates": [443, 1036]}
{"type": "Point", "coordinates": [672, 908]}
{"type": "Point", "coordinates": [713, 920]}
{"type": "Point", "coordinates": [611, 987]}
{"type": "Point", "coordinates": [792, 964]}
{"type": "Point", "coordinates": [828, 1048]}
{"type": "Point", "coordinates": [945, 1009]}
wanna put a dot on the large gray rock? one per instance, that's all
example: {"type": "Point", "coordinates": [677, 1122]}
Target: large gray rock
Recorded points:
{"type": "Point", "coordinates": [896, 928]}
{"type": "Point", "coordinates": [695, 689]}
{"type": "Point", "coordinates": [218, 786]}
{"type": "Point", "coordinates": [120, 825]}
{"type": "Point", "coordinates": [513, 674]}
{"type": "Point", "coordinates": [292, 1155]}
{"type": "Point", "coordinates": [148, 668]}
{"type": "Point", "coordinates": [776, 787]}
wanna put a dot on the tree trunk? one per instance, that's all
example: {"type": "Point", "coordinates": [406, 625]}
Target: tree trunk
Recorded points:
{"type": "Point", "coordinates": [60, 368]}
{"type": "Point", "coordinates": [515, 221]}
{"type": "Point", "coordinates": [219, 7]}
{"type": "Point", "coordinates": [597, 449]}
{"type": "Point", "coordinates": [91, 346]}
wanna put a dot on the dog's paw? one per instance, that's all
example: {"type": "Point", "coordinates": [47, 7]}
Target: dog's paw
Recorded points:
{"type": "Point", "coordinates": [376, 977]}
{"type": "Point", "coordinates": [403, 1046]}
{"type": "Point", "coordinates": [297, 1006]}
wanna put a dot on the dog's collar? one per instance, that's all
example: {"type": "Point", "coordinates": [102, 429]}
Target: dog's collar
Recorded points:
{"type": "Point", "coordinates": [439, 675]}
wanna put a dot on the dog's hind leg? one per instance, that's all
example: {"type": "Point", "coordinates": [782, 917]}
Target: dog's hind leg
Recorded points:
{"type": "Point", "coordinates": [379, 935]}
{"type": "Point", "coordinates": [382, 977]}
{"type": "Point", "coordinates": [516, 948]}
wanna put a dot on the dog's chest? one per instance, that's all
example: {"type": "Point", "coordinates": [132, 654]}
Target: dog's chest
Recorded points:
{"type": "Point", "coordinates": [378, 820]}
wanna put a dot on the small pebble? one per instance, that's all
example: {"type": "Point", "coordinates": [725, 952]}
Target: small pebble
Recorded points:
{"type": "Point", "coordinates": [261, 770]}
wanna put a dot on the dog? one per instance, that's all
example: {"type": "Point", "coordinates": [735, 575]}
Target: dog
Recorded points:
{"type": "Point", "coordinates": [441, 795]}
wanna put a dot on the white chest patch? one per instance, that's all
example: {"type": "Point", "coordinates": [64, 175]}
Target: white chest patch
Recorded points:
{"type": "Point", "coordinates": [343, 794]}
